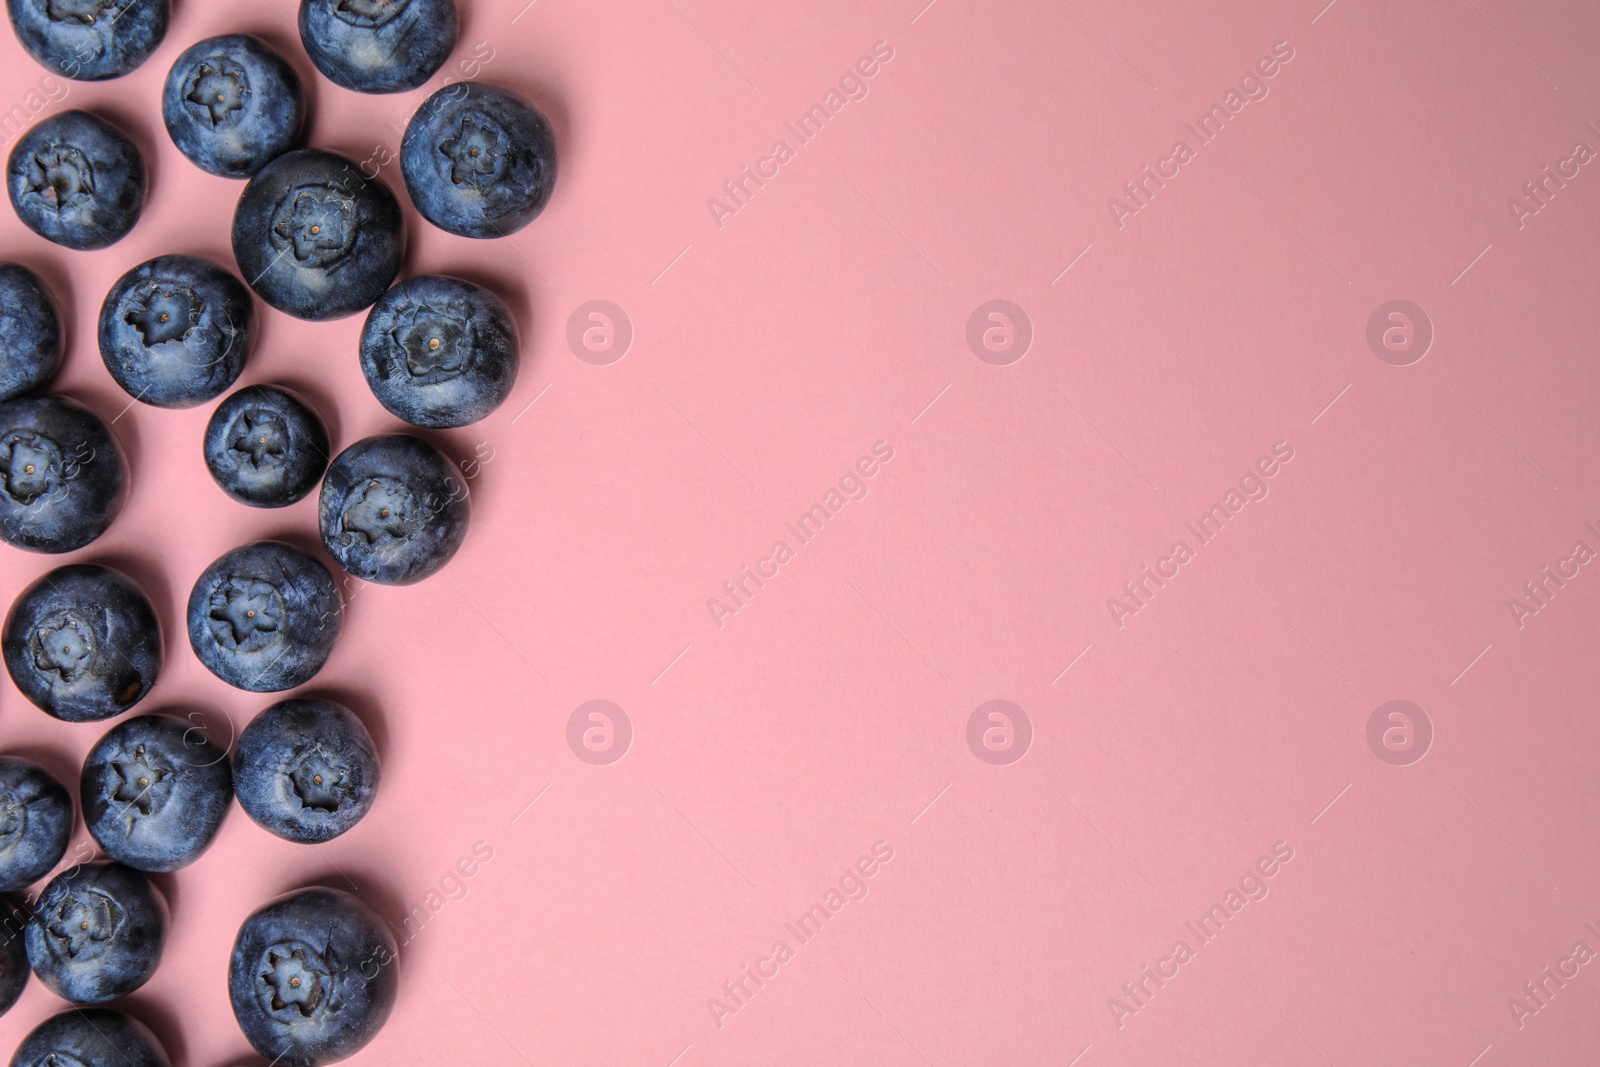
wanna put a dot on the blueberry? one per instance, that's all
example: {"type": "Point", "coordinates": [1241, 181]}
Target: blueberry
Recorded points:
{"type": "Point", "coordinates": [265, 447]}
{"type": "Point", "coordinates": [96, 932]}
{"type": "Point", "coordinates": [77, 180]}
{"type": "Point", "coordinates": [306, 770]}
{"type": "Point", "coordinates": [62, 479]}
{"type": "Point", "coordinates": [314, 238]}
{"type": "Point", "coordinates": [478, 161]}
{"type": "Point", "coordinates": [31, 342]}
{"type": "Point", "coordinates": [154, 792]}
{"type": "Point", "coordinates": [35, 823]}
{"type": "Point", "coordinates": [264, 617]}
{"type": "Point", "coordinates": [312, 977]}
{"type": "Point", "coordinates": [89, 40]}
{"type": "Point", "coordinates": [232, 104]}
{"type": "Point", "coordinates": [439, 351]}
{"type": "Point", "coordinates": [92, 1037]}
{"type": "Point", "coordinates": [393, 509]}
{"type": "Point", "coordinates": [83, 643]}
{"type": "Point", "coordinates": [13, 956]}
{"type": "Point", "coordinates": [378, 46]}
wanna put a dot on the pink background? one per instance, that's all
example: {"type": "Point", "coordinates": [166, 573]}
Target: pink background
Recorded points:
{"type": "Point", "coordinates": [830, 712]}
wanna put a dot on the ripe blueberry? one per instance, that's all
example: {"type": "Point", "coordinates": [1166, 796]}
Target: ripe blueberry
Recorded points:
{"type": "Point", "coordinates": [155, 789]}
{"type": "Point", "coordinates": [31, 343]}
{"type": "Point", "coordinates": [265, 447]}
{"type": "Point", "coordinates": [264, 617]}
{"type": "Point", "coordinates": [393, 509]}
{"type": "Point", "coordinates": [90, 1037]}
{"type": "Point", "coordinates": [35, 824]}
{"type": "Point", "coordinates": [77, 180]}
{"type": "Point", "coordinates": [306, 770]}
{"type": "Point", "coordinates": [62, 479]}
{"type": "Point", "coordinates": [439, 351]}
{"type": "Point", "coordinates": [89, 40]}
{"type": "Point", "coordinates": [478, 161]}
{"type": "Point", "coordinates": [96, 932]}
{"type": "Point", "coordinates": [314, 238]}
{"type": "Point", "coordinates": [232, 104]}
{"type": "Point", "coordinates": [83, 643]}
{"type": "Point", "coordinates": [378, 46]}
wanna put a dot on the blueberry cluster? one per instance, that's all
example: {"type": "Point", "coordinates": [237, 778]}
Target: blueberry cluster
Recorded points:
{"type": "Point", "coordinates": [314, 238]}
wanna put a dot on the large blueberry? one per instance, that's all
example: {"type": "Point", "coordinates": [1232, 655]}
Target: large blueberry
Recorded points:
{"type": "Point", "coordinates": [478, 161]}
{"type": "Point", "coordinates": [97, 932]}
{"type": "Point", "coordinates": [90, 1037]}
{"type": "Point", "coordinates": [306, 770]}
{"type": "Point", "coordinates": [83, 643]}
{"type": "Point", "coordinates": [154, 791]}
{"type": "Point", "coordinates": [378, 46]}
{"type": "Point", "coordinates": [14, 969]}
{"type": "Point", "coordinates": [265, 447]}
{"type": "Point", "coordinates": [264, 617]}
{"type": "Point", "coordinates": [175, 331]}
{"type": "Point", "coordinates": [393, 509]}
{"type": "Point", "coordinates": [232, 104]}
{"type": "Point", "coordinates": [315, 238]}
{"type": "Point", "coordinates": [62, 479]}
{"type": "Point", "coordinates": [439, 351]}
{"type": "Point", "coordinates": [77, 180]}
{"type": "Point", "coordinates": [312, 977]}
{"type": "Point", "coordinates": [35, 823]}
{"type": "Point", "coordinates": [31, 342]}
{"type": "Point", "coordinates": [89, 40]}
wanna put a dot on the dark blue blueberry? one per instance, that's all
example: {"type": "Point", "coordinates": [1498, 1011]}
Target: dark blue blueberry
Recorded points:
{"type": "Point", "coordinates": [154, 791]}
{"type": "Point", "coordinates": [14, 969]}
{"type": "Point", "coordinates": [77, 180]}
{"type": "Point", "coordinates": [393, 509]}
{"type": "Point", "coordinates": [89, 40]}
{"type": "Point", "coordinates": [478, 161]}
{"type": "Point", "coordinates": [439, 351]}
{"type": "Point", "coordinates": [31, 342]}
{"type": "Point", "coordinates": [97, 932]}
{"type": "Point", "coordinates": [312, 977]}
{"type": "Point", "coordinates": [83, 643]}
{"type": "Point", "coordinates": [378, 46]}
{"type": "Point", "coordinates": [175, 331]}
{"type": "Point", "coordinates": [264, 617]}
{"type": "Point", "coordinates": [314, 238]}
{"type": "Point", "coordinates": [231, 104]}
{"type": "Point", "coordinates": [92, 1037]}
{"type": "Point", "coordinates": [35, 823]}
{"type": "Point", "coordinates": [62, 479]}
{"type": "Point", "coordinates": [306, 770]}
{"type": "Point", "coordinates": [265, 447]}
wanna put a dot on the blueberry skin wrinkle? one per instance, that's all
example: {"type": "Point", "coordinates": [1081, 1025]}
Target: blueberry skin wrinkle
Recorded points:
{"type": "Point", "coordinates": [344, 958]}
{"type": "Point", "coordinates": [393, 509]}
{"type": "Point", "coordinates": [175, 331]}
{"type": "Point", "coordinates": [439, 351]}
{"type": "Point", "coordinates": [478, 161]}
{"type": "Point", "coordinates": [35, 825]}
{"type": "Point", "coordinates": [97, 932]}
{"type": "Point", "coordinates": [77, 180]}
{"type": "Point", "coordinates": [31, 339]}
{"type": "Point", "coordinates": [266, 447]}
{"type": "Point", "coordinates": [91, 1037]}
{"type": "Point", "coordinates": [306, 770]}
{"type": "Point", "coordinates": [155, 790]}
{"type": "Point", "coordinates": [231, 105]}
{"type": "Point", "coordinates": [378, 46]}
{"type": "Point", "coordinates": [264, 617]}
{"type": "Point", "coordinates": [62, 477]}
{"type": "Point", "coordinates": [316, 239]}
{"type": "Point", "coordinates": [82, 643]}
{"type": "Point", "coordinates": [89, 40]}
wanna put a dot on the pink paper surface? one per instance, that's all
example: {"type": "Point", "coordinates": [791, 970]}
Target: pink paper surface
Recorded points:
{"type": "Point", "coordinates": [822, 318]}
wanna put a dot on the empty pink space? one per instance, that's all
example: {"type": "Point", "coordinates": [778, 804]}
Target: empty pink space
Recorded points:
{"type": "Point", "coordinates": [1025, 533]}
